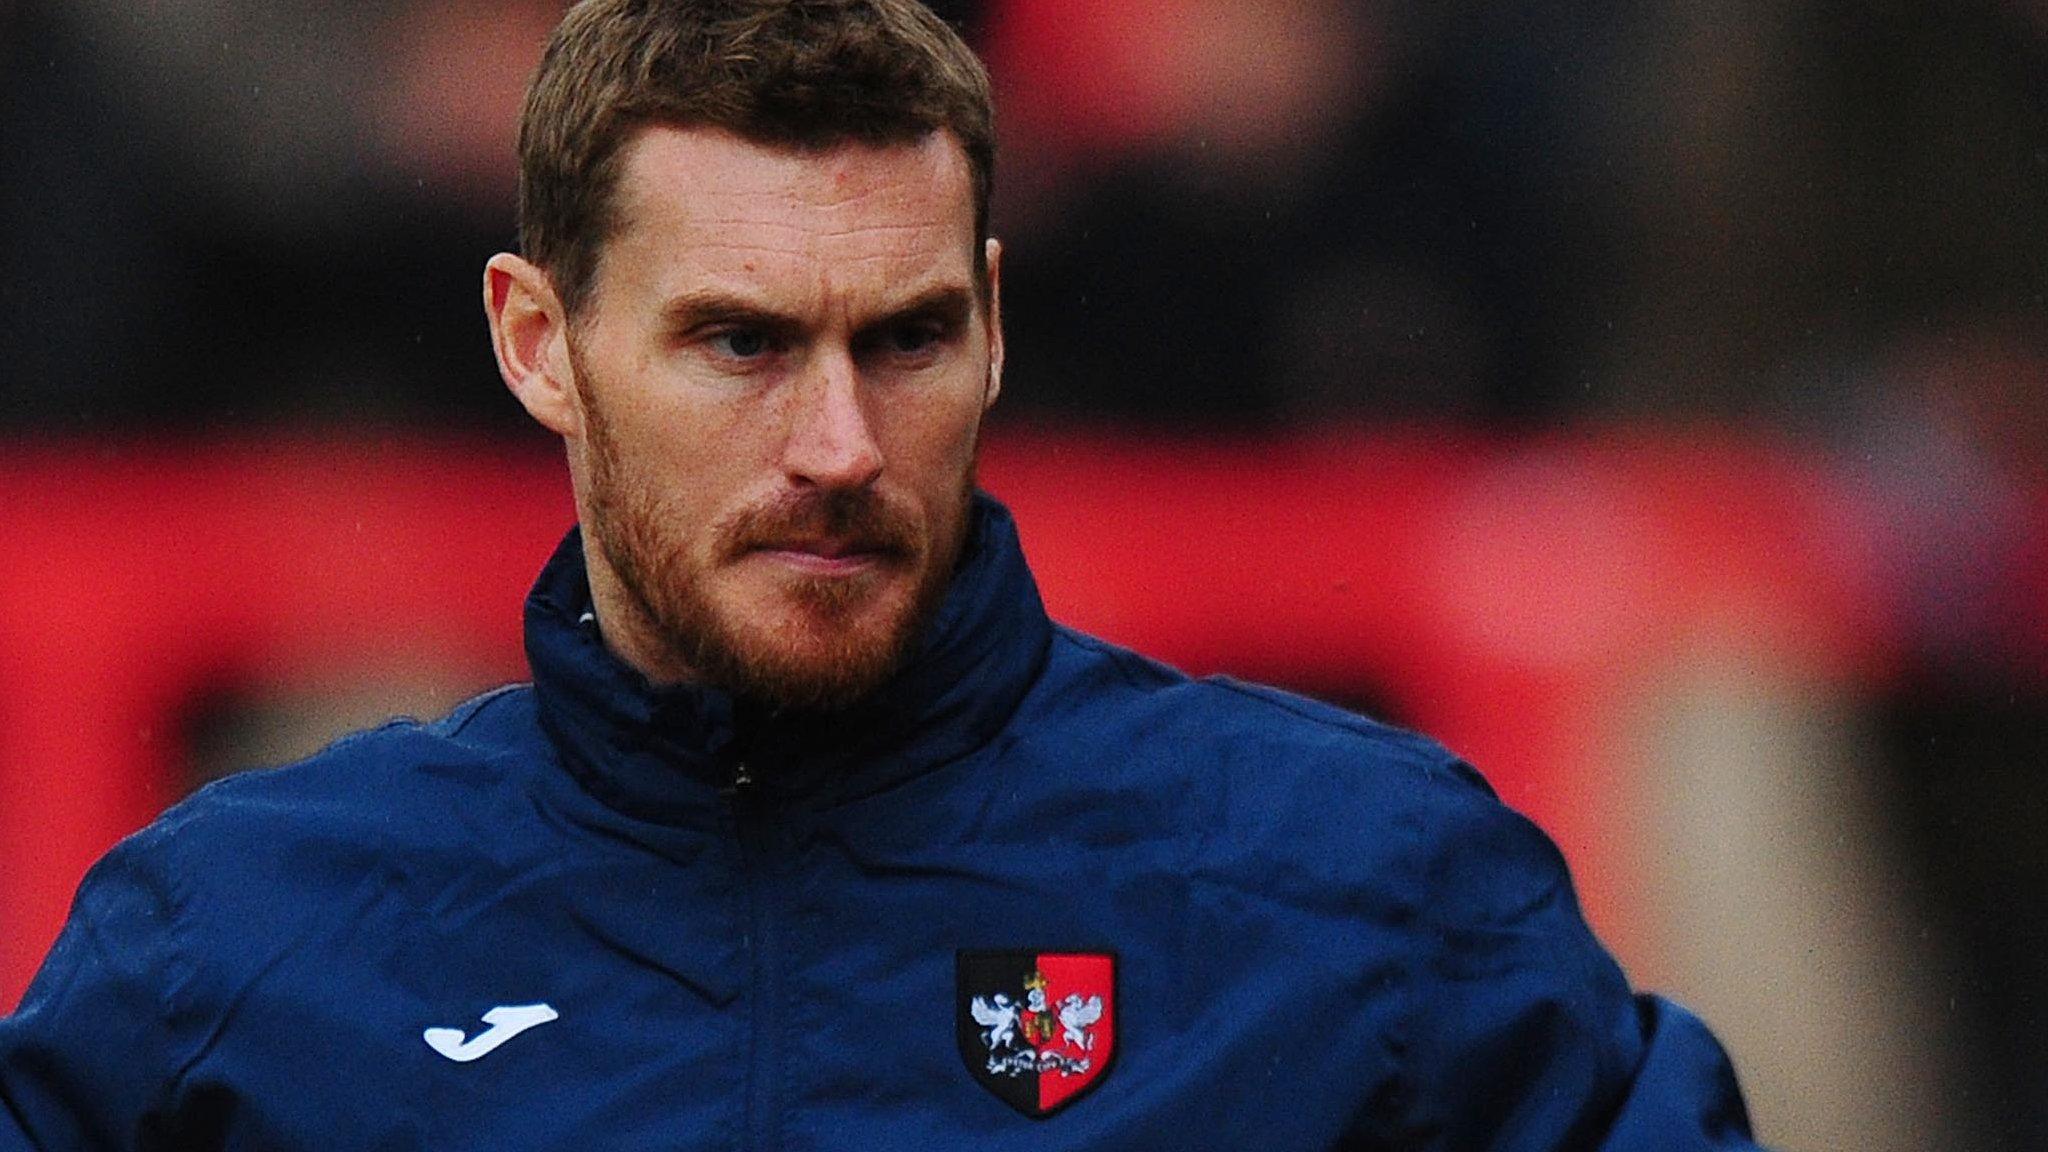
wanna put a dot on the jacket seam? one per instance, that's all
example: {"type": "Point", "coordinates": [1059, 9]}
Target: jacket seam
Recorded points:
{"type": "Point", "coordinates": [1414, 961]}
{"type": "Point", "coordinates": [1129, 664]}
{"type": "Point", "coordinates": [177, 1000]}
{"type": "Point", "coordinates": [466, 713]}
{"type": "Point", "coordinates": [1360, 727]}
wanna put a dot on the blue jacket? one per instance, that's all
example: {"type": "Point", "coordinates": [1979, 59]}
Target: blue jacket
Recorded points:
{"type": "Point", "coordinates": [1039, 893]}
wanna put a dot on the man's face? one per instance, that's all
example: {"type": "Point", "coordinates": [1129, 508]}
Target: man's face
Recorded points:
{"type": "Point", "coordinates": [781, 378]}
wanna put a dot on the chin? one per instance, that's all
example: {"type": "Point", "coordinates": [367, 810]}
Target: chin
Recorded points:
{"type": "Point", "coordinates": [817, 645]}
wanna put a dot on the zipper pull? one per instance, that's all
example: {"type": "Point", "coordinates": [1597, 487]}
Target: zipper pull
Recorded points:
{"type": "Point", "coordinates": [742, 776]}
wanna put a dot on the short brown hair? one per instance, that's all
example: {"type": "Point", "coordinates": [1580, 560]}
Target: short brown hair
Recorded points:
{"type": "Point", "coordinates": [800, 73]}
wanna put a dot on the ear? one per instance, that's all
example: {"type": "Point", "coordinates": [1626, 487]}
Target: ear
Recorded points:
{"type": "Point", "coordinates": [995, 323]}
{"type": "Point", "coordinates": [530, 334]}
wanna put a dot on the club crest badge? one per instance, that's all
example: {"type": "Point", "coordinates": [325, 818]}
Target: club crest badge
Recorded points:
{"type": "Point", "coordinates": [1036, 1028]}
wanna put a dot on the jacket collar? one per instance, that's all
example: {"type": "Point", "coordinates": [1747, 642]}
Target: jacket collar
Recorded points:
{"type": "Point", "coordinates": [662, 753]}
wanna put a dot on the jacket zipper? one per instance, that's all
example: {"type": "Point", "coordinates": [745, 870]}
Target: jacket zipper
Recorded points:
{"type": "Point", "coordinates": [760, 1130]}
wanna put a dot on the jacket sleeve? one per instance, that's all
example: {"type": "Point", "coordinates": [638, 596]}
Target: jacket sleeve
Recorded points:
{"type": "Point", "coordinates": [1524, 1034]}
{"type": "Point", "coordinates": [86, 1059]}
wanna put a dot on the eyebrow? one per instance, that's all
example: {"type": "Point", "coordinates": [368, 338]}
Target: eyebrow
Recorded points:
{"type": "Point", "coordinates": [690, 310]}
{"type": "Point", "coordinates": [695, 309]}
{"type": "Point", "coordinates": [948, 303]}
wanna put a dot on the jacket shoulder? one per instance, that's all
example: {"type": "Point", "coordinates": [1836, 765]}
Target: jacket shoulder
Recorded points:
{"type": "Point", "coordinates": [174, 925]}
{"type": "Point", "coordinates": [395, 778]}
{"type": "Point", "coordinates": [1262, 737]}
{"type": "Point", "coordinates": [1292, 798]}
{"type": "Point", "coordinates": [254, 855]}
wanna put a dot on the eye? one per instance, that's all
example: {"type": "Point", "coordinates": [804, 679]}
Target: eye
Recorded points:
{"type": "Point", "coordinates": [912, 337]}
{"type": "Point", "coordinates": [905, 339]}
{"type": "Point", "coordinates": [742, 343]}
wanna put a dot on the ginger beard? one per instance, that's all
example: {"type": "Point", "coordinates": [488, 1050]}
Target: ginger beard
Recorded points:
{"type": "Point", "coordinates": [821, 643]}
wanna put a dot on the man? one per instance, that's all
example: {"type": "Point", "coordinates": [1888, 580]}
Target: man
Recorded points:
{"type": "Point", "coordinates": [811, 830]}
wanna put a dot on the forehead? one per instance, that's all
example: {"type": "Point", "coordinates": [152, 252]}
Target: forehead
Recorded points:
{"type": "Point", "coordinates": [703, 199]}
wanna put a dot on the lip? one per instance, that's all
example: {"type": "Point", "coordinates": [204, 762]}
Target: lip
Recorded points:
{"type": "Point", "coordinates": [823, 559]}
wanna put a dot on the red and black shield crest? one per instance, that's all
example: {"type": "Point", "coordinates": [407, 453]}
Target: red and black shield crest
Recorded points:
{"type": "Point", "coordinates": [1036, 1028]}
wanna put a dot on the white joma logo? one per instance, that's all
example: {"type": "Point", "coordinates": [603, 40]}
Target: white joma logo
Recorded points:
{"type": "Point", "coordinates": [505, 1022]}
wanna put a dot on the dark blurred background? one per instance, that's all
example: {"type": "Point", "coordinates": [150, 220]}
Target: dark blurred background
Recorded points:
{"type": "Point", "coordinates": [1816, 228]}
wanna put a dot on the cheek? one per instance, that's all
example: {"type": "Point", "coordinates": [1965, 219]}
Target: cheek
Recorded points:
{"type": "Point", "coordinates": [940, 437]}
{"type": "Point", "coordinates": [665, 476]}
{"type": "Point", "coordinates": [674, 438]}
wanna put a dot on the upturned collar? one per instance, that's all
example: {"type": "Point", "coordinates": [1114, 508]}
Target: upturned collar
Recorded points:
{"type": "Point", "coordinates": [665, 753]}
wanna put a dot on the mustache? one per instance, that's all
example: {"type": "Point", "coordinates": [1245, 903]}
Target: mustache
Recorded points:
{"type": "Point", "coordinates": [859, 520]}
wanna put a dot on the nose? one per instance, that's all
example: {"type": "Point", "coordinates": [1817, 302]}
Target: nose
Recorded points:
{"type": "Point", "coordinates": [830, 443]}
